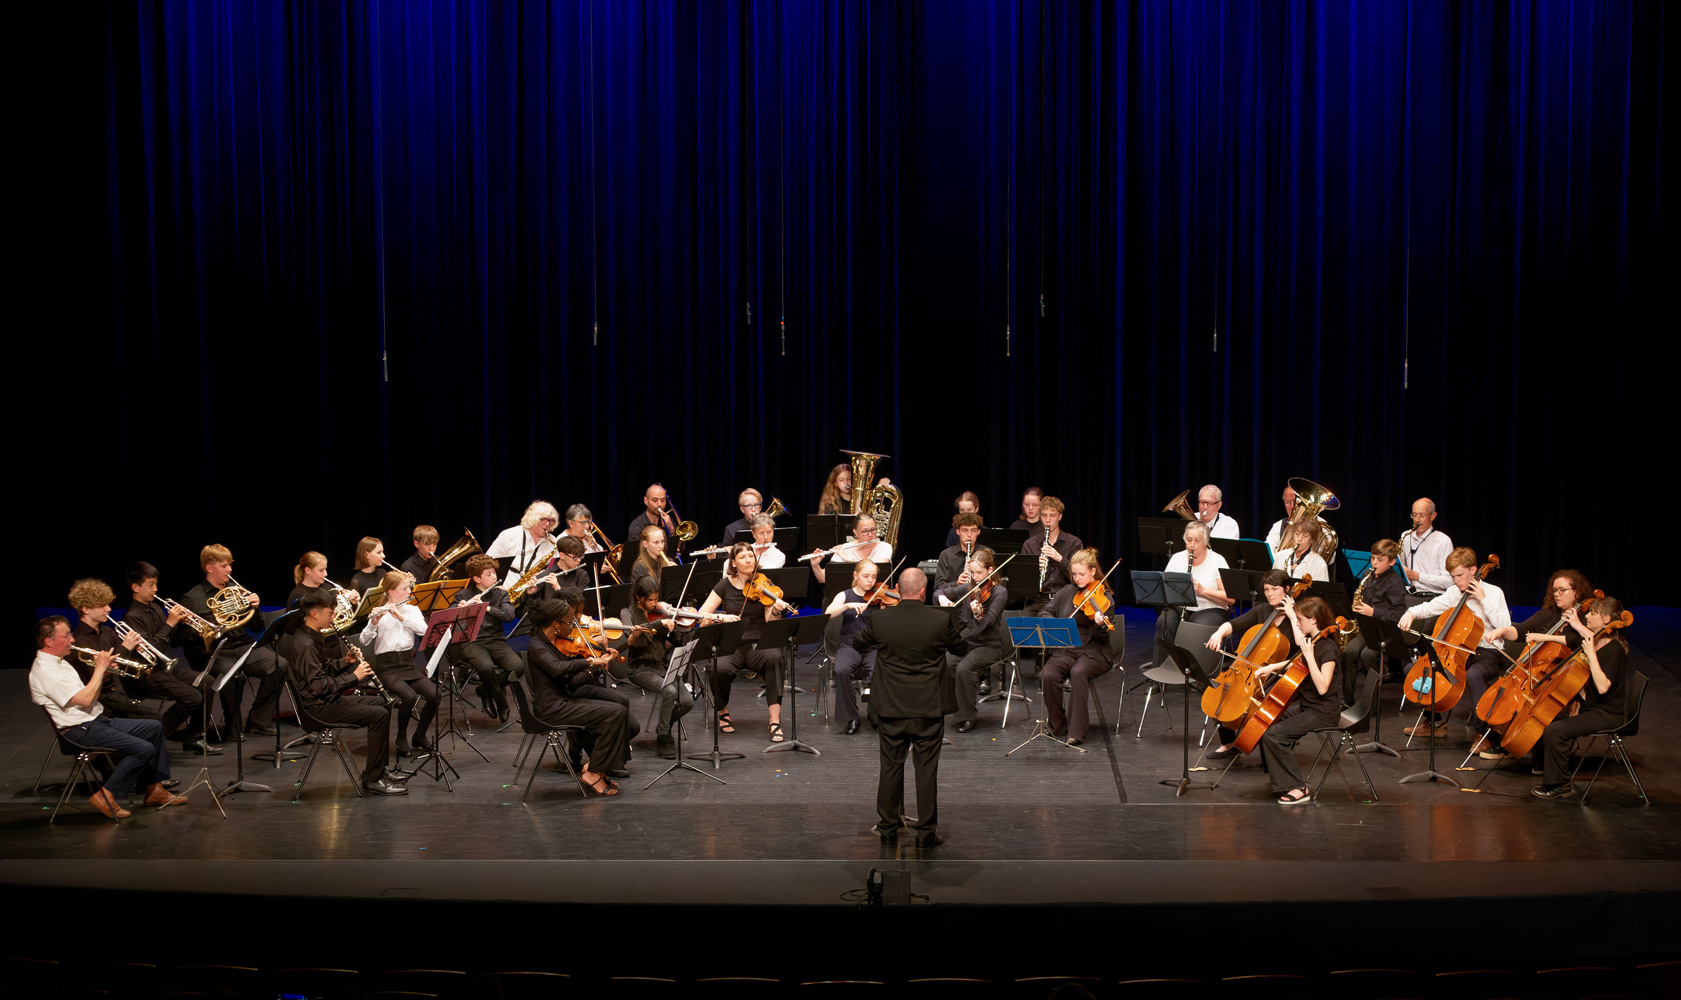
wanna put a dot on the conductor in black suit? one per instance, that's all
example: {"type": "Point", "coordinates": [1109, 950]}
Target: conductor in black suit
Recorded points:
{"type": "Point", "coordinates": [910, 697]}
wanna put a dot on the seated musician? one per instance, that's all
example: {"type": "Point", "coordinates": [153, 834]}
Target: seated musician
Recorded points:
{"type": "Point", "coordinates": [325, 685]}
{"type": "Point", "coordinates": [729, 597]}
{"type": "Point", "coordinates": [764, 543]}
{"type": "Point", "coordinates": [122, 696]}
{"type": "Point", "coordinates": [1275, 534]}
{"type": "Point", "coordinates": [1209, 502]}
{"type": "Point", "coordinates": [1566, 588]}
{"type": "Point", "coordinates": [1301, 560]}
{"type": "Point", "coordinates": [392, 630]}
{"type": "Point", "coordinates": [488, 654]}
{"type": "Point", "coordinates": [1031, 498]}
{"type": "Point", "coordinates": [851, 607]}
{"type": "Point", "coordinates": [1050, 550]}
{"type": "Point", "coordinates": [1204, 565]}
{"type": "Point", "coordinates": [597, 684]}
{"type": "Point", "coordinates": [73, 703]}
{"type": "Point", "coordinates": [425, 560]}
{"type": "Point", "coordinates": [653, 512]}
{"type": "Point", "coordinates": [967, 502]}
{"type": "Point", "coordinates": [1316, 704]}
{"type": "Point", "coordinates": [370, 565]}
{"type": "Point", "coordinates": [1085, 664]}
{"type": "Point", "coordinates": [982, 630]}
{"type": "Point", "coordinates": [1488, 603]}
{"type": "Point", "coordinates": [163, 629]}
{"type": "Point", "coordinates": [527, 541]}
{"type": "Point", "coordinates": [954, 561]}
{"type": "Point", "coordinates": [578, 522]}
{"type": "Point", "coordinates": [568, 570]}
{"type": "Point", "coordinates": [837, 491]}
{"type": "Point", "coordinates": [551, 680]}
{"type": "Point", "coordinates": [751, 501]}
{"type": "Point", "coordinates": [865, 546]}
{"type": "Point", "coordinates": [644, 661]}
{"type": "Point", "coordinates": [1384, 597]}
{"type": "Point", "coordinates": [1424, 552]}
{"type": "Point", "coordinates": [1604, 696]}
{"type": "Point", "coordinates": [651, 559]}
{"type": "Point", "coordinates": [262, 664]}
{"type": "Point", "coordinates": [1274, 587]}
{"type": "Point", "coordinates": [309, 574]}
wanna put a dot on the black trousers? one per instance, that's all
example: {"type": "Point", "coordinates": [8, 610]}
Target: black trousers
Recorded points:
{"type": "Point", "coordinates": [608, 726]}
{"type": "Point", "coordinates": [970, 670]}
{"type": "Point", "coordinates": [1080, 667]}
{"type": "Point", "coordinates": [1167, 626]}
{"type": "Point", "coordinates": [601, 692]}
{"type": "Point", "coordinates": [186, 711]}
{"type": "Point", "coordinates": [1557, 737]}
{"type": "Point", "coordinates": [494, 662]}
{"type": "Point", "coordinates": [1278, 745]}
{"type": "Point", "coordinates": [768, 662]}
{"type": "Point", "coordinates": [674, 698]}
{"type": "Point", "coordinates": [262, 664]}
{"type": "Point", "coordinates": [354, 710]}
{"type": "Point", "coordinates": [405, 682]}
{"type": "Point", "coordinates": [897, 736]}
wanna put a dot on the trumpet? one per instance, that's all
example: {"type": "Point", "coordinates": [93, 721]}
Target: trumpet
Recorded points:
{"type": "Point", "coordinates": [122, 666]}
{"type": "Point", "coordinates": [148, 652]}
{"type": "Point", "coordinates": [207, 631]}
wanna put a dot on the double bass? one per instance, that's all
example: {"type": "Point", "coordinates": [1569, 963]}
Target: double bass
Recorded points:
{"type": "Point", "coordinates": [1279, 695]}
{"type": "Point", "coordinates": [1547, 697]}
{"type": "Point", "coordinates": [1235, 691]}
{"type": "Point", "coordinates": [1500, 702]}
{"type": "Point", "coordinates": [1453, 639]}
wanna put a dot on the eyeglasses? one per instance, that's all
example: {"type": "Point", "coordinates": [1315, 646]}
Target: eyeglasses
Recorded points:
{"type": "Point", "coordinates": [1208, 503]}
{"type": "Point", "coordinates": [750, 506]}
{"type": "Point", "coordinates": [1564, 590]}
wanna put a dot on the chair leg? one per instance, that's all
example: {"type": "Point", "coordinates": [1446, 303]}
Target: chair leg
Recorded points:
{"type": "Point", "coordinates": [349, 767]}
{"type": "Point", "coordinates": [309, 763]}
{"type": "Point", "coordinates": [520, 754]}
{"type": "Point", "coordinates": [1346, 749]}
{"type": "Point", "coordinates": [69, 783]}
{"type": "Point", "coordinates": [1314, 766]}
{"type": "Point", "coordinates": [51, 746]}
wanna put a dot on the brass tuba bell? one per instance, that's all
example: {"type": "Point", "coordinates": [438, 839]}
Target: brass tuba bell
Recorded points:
{"type": "Point", "coordinates": [1181, 506]}
{"type": "Point", "coordinates": [465, 546]}
{"type": "Point", "coordinates": [1311, 500]}
{"type": "Point", "coordinates": [880, 502]}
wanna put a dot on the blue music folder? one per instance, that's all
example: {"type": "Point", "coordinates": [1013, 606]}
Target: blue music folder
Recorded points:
{"type": "Point", "coordinates": [1036, 633]}
{"type": "Point", "coordinates": [1357, 561]}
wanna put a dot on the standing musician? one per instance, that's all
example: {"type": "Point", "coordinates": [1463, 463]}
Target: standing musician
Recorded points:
{"type": "Point", "coordinates": [262, 664]}
{"type": "Point", "coordinates": [1604, 697]}
{"type": "Point", "coordinates": [370, 565]}
{"type": "Point", "coordinates": [968, 502]}
{"type": "Point", "coordinates": [729, 596]}
{"type": "Point", "coordinates": [73, 703]}
{"type": "Point", "coordinates": [488, 654]}
{"type": "Point", "coordinates": [645, 655]}
{"type": "Point", "coordinates": [852, 607]}
{"type": "Point", "coordinates": [1275, 534]}
{"type": "Point", "coordinates": [751, 501]}
{"type": "Point", "coordinates": [92, 600]}
{"type": "Point", "coordinates": [1302, 560]}
{"type": "Point", "coordinates": [309, 574]}
{"type": "Point", "coordinates": [1051, 550]}
{"type": "Point", "coordinates": [424, 561]}
{"type": "Point", "coordinates": [764, 543]}
{"type": "Point", "coordinates": [323, 685]}
{"type": "Point", "coordinates": [1031, 498]}
{"type": "Point", "coordinates": [1315, 705]}
{"type": "Point", "coordinates": [954, 561]}
{"type": "Point", "coordinates": [1275, 588]}
{"type": "Point", "coordinates": [1209, 502]}
{"type": "Point", "coordinates": [653, 512]}
{"type": "Point", "coordinates": [554, 675]}
{"type": "Point", "coordinates": [1204, 565]}
{"type": "Point", "coordinates": [1424, 552]}
{"type": "Point", "coordinates": [1488, 603]}
{"type": "Point", "coordinates": [1384, 598]}
{"type": "Point", "coordinates": [650, 555]}
{"type": "Point", "coordinates": [909, 700]}
{"type": "Point", "coordinates": [578, 521]}
{"type": "Point", "coordinates": [979, 622]}
{"type": "Point", "coordinates": [865, 547]}
{"type": "Point", "coordinates": [173, 680]}
{"type": "Point", "coordinates": [1080, 667]}
{"type": "Point", "coordinates": [393, 626]}
{"type": "Point", "coordinates": [526, 542]}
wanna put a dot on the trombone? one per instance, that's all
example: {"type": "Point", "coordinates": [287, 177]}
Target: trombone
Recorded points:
{"type": "Point", "coordinates": [687, 531]}
{"type": "Point", "coordinates": [614, 552]}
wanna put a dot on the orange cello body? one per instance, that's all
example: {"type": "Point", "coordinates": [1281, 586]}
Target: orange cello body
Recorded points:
{"type": "Point", "coordinates": [1550, 696]}
{"type": "Point", "coordinates": [1454, 634]}
{"type": "Point", "coordinates": [1235, 691]}
{"type": "Point", "coordinates": [1279, 695]}
{"type": "Point", "coordinates": [1500, 703]}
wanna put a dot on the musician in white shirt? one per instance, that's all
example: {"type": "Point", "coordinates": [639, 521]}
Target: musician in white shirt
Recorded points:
{"type": "Point", "coordinates": [1204, 565]}
{"type": "Point", "coordinates": [865, 547]}
{"type": "Point", "coordinates": [1275, 534]}
{"type": "Point", "coordinates": [764, 543]}
{"type": "Point", "coordinates": [1424, 552]}
{"type": "Point", "coordinates": [1488, 603]}
{"type": "Point", "coordinates": [1302, 561]}
{"type": "Point", "coordinates": [390, 634]}
{"type": "Point", "coordinates": [527, 541]}
{"type": "Point", "coordinates": [1209, 502]}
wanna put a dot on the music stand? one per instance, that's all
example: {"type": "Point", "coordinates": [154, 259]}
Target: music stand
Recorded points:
{"type": "Point", "coordinates": [1042, 634]}
{"type": "Point", "coordinates": [1002, 541]}
{"type": "Point", "coordinates": [1163, 534]}
{"type": "Point", "coordinates": [239, 784]}
{"type": "Point", "coordinates": [1243, 585]}
{"type": "Point", "coordinates": [436, 596]}
{"type": "Point", "coordinates": [1196, 681]}
{"type": "Point", "coordinates": [790, 633]}
{"type": "Point", "coordinates": [825, 531]}
{"type": "Point", "coordinates": [1152, 589]}
{"type": "Point", "coordinates": [1242, 552]}
{"type": "Point", "coordinates": [1357, 561]}
{"type": "Point", "coordinates": [1387, 634]}
{"type": "Point", "coordinates": [681, 657]}
{"type": "Point", "coordinates": [450, 626]}
{"type": "Point", "coordinates": [1430, 773]}
{"type": "Point", "coordinates": [676, 582]}
{"type": "Point", "coordinates": [793, 580]}
{"type": "Point", "coordinates": [270, 636]}
{"type": "Point", "coordinates": [711, 641]}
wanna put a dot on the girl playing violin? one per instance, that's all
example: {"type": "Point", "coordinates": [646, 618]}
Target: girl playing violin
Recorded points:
{"type": "Point", "coordinates": [1083, 601]}
{"type": "Point", "coordinates": [851, 607]}
{"type": "Point", "coordinates": [1316, 703]}
{"type": "Point", "coordinates": [390, 635]}
{"type": "Point", "coordinates": [729, 594]}
{"type": "Point", "coordinates": [979, 619]}
{"type": "Point", "coordinates": [645, 655]}
{"type": "Point", "coordinates": [1603, 702]}
{"type": "Point", "coordinates": [1273, 587]}
{"type": "Point", "coordinates": [555, 678]}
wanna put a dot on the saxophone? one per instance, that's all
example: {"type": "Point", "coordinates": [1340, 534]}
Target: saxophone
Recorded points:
{"type": "Point", "coordinates": [1351, 627]}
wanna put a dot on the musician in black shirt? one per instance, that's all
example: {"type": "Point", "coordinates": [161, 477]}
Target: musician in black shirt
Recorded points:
{"type": "Point", "coordinates": [552, 679]}
{"type": "Point", "coordinates": [1315, 705]}
{"type": "Point", "coordinates": [1082, 666]}
{"type": "Point", "coordinates": [489, 654]}
{"type": "Point", "coordinates": [644, 662]}
{"type": "Point", "coordinates": [262, 664]}
{"type": "Point", "coordinates": [954, 560]}
{"type": "Point", "coordinates": [981, 627]}
{"type": "Point", "coordinates": [420, 565]}
{"type": "Point", "coordinates": [370, 565]}
{"type": "Point", "coordinates": [750, 501]}
{"type": "Point", "coordinates": [1275, 588]}
{"type": "Point", "coordinates": [967, 502]}
{"type": "Point", "coordinates": [91, 599]}
{"type": "Point", "coordinates": [1604, 696]}
{"type": "Point", "coordinates": [653, 512]}
{"type": "Point", "coordinates": [174, 680]}
{"type": "Point", "coordinates": [309, 574]}
{"type": "Point", "coordinates": [1031, 498]}
{"type": "Point", "coordinates": [1384, 597]}
{"type": "Point", "coordinates": [729, 597]}
{"type": "Point", "coordinates": [1049, 552]}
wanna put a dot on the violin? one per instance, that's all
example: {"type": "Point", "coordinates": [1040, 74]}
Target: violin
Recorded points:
{"type": "Point", "coordinates": [1235, 691]}
{"type": "Point", "coordinates": [882, 597]}
{"type": "Point", "coordinates": [762, 590]}
{"type": "Point", "coordinates": [1549, 695]}
{"type": "Point", "coordinates": [1501, 701]}
{"type": "Point", "coordinates": [581, 644]}
{"type": "Point", "coordinates": [685, 617]}
{"type": "Point", "coordinates": [1095, 599]}
{"type": "Point", "coordinates": [1455, 636]}
{"type": "Point", "coordinates": [1279, 695]}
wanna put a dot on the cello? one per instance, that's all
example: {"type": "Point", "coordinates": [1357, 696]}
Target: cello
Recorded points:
{"type": "Point", "coordinates": [1500, 702]}
{"type": "Point", "coordinates": [1279, 695]}
{"type": "Point", "coordinates": [1235, 691]}
{"type": "Point", "coordinates": [1550, 694]}
{"type": "Point", "coordinates": [1453, 639]}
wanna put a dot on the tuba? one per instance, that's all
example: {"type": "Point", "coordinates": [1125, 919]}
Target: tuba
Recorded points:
{"type": "Point", "coordinates": [880, 502]}
{"type": "Point", "coordinates": [1311, 500]}
{"type": "Point", "coordinates": [1179, 505]}
{"type": "Point", "coordinates": [465, 546]}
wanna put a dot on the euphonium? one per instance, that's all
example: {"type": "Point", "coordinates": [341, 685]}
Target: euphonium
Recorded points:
{"type": "Point", "coordinates": [122, 666]}
{"type": "Point", "coordinates": [231, 606]}
{"type": "Point", "coordinates": [464, 546]}
{"type": "Point", "coordinates": [1179, 505]}
{"type": "Point", "coordinates": [880, 502]}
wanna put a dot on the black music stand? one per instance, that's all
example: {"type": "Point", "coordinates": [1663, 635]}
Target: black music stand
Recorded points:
{"type": "Point", "coordinates": [239, 784]}
{"type": "Point", "coordinates": [1152, 589]}
{"type": "Point", "coordinates": [1430, 773]}
{"type": "Point", "coordinates": [1243, 585]}
{"type": "Point", "coordinates": [682, 657]}
{"type": "Point", "coordinates": [270, 636]}
{"type": "Point", "coordinates": [825, 531]}
{"type": "Point", "coordinates": [450, 626]}
{"type": "Point", "coordinates": [1161, 534]}
{"type": "Point", "coordinates": [1196, 681]}
{"type": "Point", "coordinates": [1002, 541]}
{"type": "Point", "coordinates": [677, 582]}
{"type": "Point", "coordinates": [1387, 634]}
{"type": "Point", "coordinates": [1244, 553]}
{"type": "Point", "coordinates": [1043, 634]}
{"type": "Point", "coordinates": [720, 638]}
{"type": "Point", "coordinates": [789, 634]}
{"type": "Point", "coordinates": [792, 579]}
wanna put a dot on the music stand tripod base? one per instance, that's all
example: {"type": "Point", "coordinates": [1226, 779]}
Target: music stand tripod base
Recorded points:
{"type": "Point", "coordinates": [790, 633]}
{"type": "Point", "coordinates": [709, 640]}
{"type": "Point", "coordinates": [676, 668]}
{"type": "Point", "coordinates": [239, 783]}
{"type": "Point", "coordinates": [1043, 633]}
{"type": "Point", "coordinates": [1383, 630]}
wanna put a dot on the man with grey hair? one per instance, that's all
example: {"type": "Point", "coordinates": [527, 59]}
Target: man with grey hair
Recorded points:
{"type": "Point", "coordinates": [910, 696]}
{"type": "Point", "coordinates": [1209, 502]}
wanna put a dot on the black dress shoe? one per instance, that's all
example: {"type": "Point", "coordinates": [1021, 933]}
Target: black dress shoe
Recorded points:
{"type": "Point", "coordinates": [967, 726]}
{"type": "Point", "coordinates": [384, 787]}
{"type": "Point", "coordinates": [618, 772]}
{"type": "Point", "coordinates": [200, 746]}
{"type": "Point", "coordinates": [852, 728]}
{"type": "Point", "coordinates": [397, 775]}
{"type": "Point", "coordinates": [171, 782]}
{"type": "Point", "coordinates": [889, 834]}
{"type": "Point", "coordinates": [666, 747]}
{"type": "Point", "coordinates": [258, 729]}
{"type": "Point", "coordinates": [929, 839]}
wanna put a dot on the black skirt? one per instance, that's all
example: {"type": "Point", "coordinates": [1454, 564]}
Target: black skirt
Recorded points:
{"type": "Point", "coordinates": [397, 665]}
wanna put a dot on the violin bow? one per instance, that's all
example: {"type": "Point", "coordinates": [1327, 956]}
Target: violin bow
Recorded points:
{"type": "Point", "coordinates": [882, 584]}
{"type": "Point", "coordinates": [990, 574]}
{"type": "Point", "coordinates": [1099, 583]}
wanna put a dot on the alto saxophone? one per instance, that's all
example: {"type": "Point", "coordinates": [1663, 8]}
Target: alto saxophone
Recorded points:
{"type": "Point", "coordinates": [1351, 627]}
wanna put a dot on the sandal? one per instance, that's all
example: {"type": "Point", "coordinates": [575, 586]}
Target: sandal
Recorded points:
{"type": "Point", "coordinates": [1294, 796]}
{"type": "Point", "coordinates": [776, 732]}
{"type": "Point", "coordinates": [602, 786]}
{"type": "Point", "coordinates": [725, 724]}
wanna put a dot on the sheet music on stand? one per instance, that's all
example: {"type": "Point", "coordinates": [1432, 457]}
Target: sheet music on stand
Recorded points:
{"type": "Point", "coordinates": [450, 626]}
{"type": "Point", "coordinates": [1151, 589]}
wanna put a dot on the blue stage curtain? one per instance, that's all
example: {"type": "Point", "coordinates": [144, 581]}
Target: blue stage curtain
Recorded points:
{"type": "Point", "coordinates": [378, 263]}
